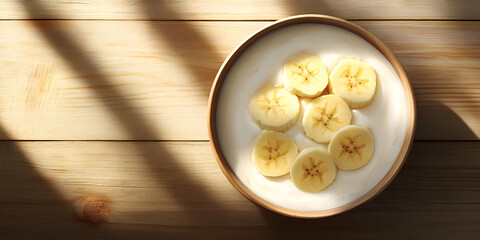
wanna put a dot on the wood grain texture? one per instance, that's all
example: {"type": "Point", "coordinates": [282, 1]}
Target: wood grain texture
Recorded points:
{"type": "Point", "coordinates": [148, 80]}
{"type": "Point", "coordinates": [238, 10]}
{"type": "Point", "coordinates": [117, 79]}
{"type": "Point", "coordinates": [175, 189]}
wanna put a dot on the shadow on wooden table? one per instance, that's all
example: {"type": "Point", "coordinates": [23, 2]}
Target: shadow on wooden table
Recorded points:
{"type": "Point", "coordinates": [72, 52]}
{"type": "Point", "coordinates": [439, 122]}
{"type": "Point", "coordinates": [19, 178]}
{"type": "Point", "coordinates": [202, 59]}
{"type": "Point", "coordinates": [411, 202]}
{"type": "Point", "coordinates": [20, 218]}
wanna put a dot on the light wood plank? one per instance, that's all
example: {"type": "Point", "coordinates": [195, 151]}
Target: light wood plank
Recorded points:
{"type": "Point", "coordinates": [239, 10]}
{"type": "Point", "coordinates": [150, 80]}
{"type": "Point", "coordinates": [171, 189]}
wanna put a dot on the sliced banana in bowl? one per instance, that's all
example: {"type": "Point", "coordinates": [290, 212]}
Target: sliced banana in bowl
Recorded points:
{"type": "Point", "coordinates": [352, 147]}
{"type": "Point", "coordinates": [305, 75]}
{"type": "Point", "coordinates": [324, 116]}
{"type": "Point", "coordinates": [313, 170]}
{"type": "Point", "coordinates": [274, 153]}
{"type": "Point", "coordinates": [274, 108]}
{"type": "Point", "coordinates": [239, 115]}
{"type": "Point", "coordinates": [354, 81]}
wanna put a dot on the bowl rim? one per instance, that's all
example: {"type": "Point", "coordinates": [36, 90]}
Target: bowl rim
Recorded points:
{"type": "Point", "coordinates": [242, 47]}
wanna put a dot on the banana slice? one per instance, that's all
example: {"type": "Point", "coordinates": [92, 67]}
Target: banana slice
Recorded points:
{"type": "Point", "coordinates": [274, 108]}
{"type": "Point", "coordinates": [305, 75]}
{"type": "Point", "coordinates": [274, 153]}
{"type": "Point", "coordinates": [313, 170]}
{"type": "Point", "coordinates": [352, 147]}
{"type": "Point", "coordinates": [324, 116]}
{"type": "Point", "coordinates": [354, 81]}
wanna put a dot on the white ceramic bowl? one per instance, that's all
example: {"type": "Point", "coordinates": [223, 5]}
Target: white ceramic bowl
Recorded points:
{"type": "Point", "coordinates": [258, 61]}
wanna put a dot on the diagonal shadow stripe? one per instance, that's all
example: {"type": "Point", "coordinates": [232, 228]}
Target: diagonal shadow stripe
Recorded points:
{"type": "Point", "coordinates": [71, 51]}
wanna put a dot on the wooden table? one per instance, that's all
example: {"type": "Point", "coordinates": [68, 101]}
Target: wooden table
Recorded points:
{"type": "Point", "coordinates": [109, 99]}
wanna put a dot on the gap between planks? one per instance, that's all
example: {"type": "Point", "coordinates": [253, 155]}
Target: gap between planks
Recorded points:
{"type": "Point", "coordinates": [194, 140]}
{"type": "Point", "coordinates": [239, 20]}
{"type": "Point", "coordinates": [106, 140]}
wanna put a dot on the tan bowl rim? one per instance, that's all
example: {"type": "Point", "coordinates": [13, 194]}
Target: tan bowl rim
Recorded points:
{"type": "Point", "coordinates": [299, 19]}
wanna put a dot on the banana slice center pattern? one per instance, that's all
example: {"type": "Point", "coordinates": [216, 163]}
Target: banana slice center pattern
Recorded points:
{"type": "Point", "coordinates": [323, 118]}
{"type": "Point", "coordinates": [274, 152]}
{"type": "Point", "coordinates": [273, 105]}
{"type": "Point", "coordinates": [315, 170]}
{"type": "Point", "coordinates": [305, 73]}
{"type": "Point", "coordinates": [350, 147]}
{"type": "Point", "coordinates": [354, 82]}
